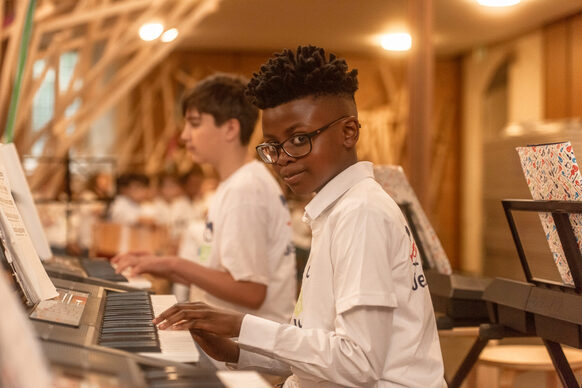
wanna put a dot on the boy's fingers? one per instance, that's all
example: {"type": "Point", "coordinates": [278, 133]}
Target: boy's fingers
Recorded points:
{"type": "Point", "coordinates": [123, 256]}
{"type": "Point", "coordinates": [171, 311]}
{"type": "Point", "coordinates": [183, 319]}
{"type": "Point", "coordinates": [166, 313]}
{"type": "Point", "coordinates": [119, 257]}
{"type": "Point", "coordinates": [170, 320]}
{"type": "Point", "coordinates": [123, 264]}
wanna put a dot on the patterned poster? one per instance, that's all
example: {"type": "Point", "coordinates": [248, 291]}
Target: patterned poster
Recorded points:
{"type": "Point", "coordinates": [393, 180]}
{"type": "Point", "coordinates": [552, 173]}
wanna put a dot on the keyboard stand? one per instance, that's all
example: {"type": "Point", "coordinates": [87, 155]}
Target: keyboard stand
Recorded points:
{"type": "Point", "coordinates": [538, 307]}
{"type": "Point", "coordinates": [487, 332]}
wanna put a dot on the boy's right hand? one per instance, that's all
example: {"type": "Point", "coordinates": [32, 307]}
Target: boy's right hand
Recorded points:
{"type": "Point", "coordinates": [141, 262]}
{"type": "Point", "coordinates": [200, 316]}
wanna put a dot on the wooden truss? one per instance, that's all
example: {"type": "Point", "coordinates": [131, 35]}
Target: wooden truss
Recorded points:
{"type": "Point", "coordinates": [112, 62]}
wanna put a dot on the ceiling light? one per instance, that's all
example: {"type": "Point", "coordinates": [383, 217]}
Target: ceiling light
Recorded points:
{"type": "Point", "coordinates": [498, 3]}
{"type": "Point", "coordinates": [151, 31]}
{"type": "Point", "coordinates": [396, 41]}
{"type": "Point", "coordinates": [169, 35]}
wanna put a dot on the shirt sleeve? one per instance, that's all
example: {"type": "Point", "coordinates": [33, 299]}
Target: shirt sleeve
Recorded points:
{"type": "Point", "coordinates": [317, 354]}
{"type": "Point", "coordinates": [260, 363]}
{"type": "Point", "coordinates": [366, 248]}
{"type": "Point", "coordinates": [243, 242]}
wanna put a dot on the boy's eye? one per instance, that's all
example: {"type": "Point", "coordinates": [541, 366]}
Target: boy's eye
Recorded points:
{"type": "Point", "coordinates": [299, 140]}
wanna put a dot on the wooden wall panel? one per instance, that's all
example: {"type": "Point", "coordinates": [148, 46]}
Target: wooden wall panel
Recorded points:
{"type": "Point", "coordinates": [575, 65]}
{"type": "Point", "coordinates": [556, 70]}
{"type": "Point", "coordinates": [446, 158]}
{"type": "Point", "coordinates": [563, 69]}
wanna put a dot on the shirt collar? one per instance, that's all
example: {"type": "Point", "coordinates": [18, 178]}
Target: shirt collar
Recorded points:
{"type": "Point", "coordinates": [336, 187]}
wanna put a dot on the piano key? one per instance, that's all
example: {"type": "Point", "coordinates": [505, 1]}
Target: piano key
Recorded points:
{"type": "Point", "coordinates": [127, 325]}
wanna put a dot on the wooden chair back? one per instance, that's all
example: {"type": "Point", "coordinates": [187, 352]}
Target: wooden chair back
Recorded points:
{"type": "Point", "coordinates": [109, 239]}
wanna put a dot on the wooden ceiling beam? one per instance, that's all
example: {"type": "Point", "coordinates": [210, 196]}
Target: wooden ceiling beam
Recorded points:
{"type": "Point", "coordinates": [87, 14]}
{"type": "Point", "coordinates": [147, 60]}
{"type": "Point", "coordinates": [113, 47]}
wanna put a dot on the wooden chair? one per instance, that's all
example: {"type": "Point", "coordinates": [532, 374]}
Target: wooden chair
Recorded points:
{"type": "Point", "coordinates": [106, 239]}
{"type": "Point", "coordinates": [110, 238]}
{"type": "Point", "coordinates": [510, 361]}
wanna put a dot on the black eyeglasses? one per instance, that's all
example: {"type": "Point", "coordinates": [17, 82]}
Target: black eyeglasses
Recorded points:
{"type": "Point", "coordinates": [296, 146]}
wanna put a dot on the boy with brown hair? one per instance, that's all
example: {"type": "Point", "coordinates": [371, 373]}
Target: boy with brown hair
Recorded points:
{"type": "Point", "coordinates": [246, 262]}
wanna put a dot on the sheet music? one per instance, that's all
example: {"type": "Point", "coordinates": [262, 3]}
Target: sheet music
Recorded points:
{"type": "Point", "coordinates": [552, 173]}
{"type": "Point", "coordinates": [23, 198]}
{"type": "Point", "coordinates": [177, 345]}
{"type": "Point", "coordinates": [394, 182]}
{"type": "Point", "coordinates": [36, 283]}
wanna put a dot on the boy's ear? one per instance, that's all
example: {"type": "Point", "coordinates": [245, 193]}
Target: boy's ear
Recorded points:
{"type": "Point", "coordinates": [232, 127]}
{"type": "Point", "coordinates": [351, 133]}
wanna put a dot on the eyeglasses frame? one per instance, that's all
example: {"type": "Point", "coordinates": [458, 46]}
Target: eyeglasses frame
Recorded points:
{"type": "Point", "coordinates": [279, 146]}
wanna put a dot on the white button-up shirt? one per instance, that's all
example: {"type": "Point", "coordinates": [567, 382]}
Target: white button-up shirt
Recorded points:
{"type": "Point", "coordinates": [364, 317]}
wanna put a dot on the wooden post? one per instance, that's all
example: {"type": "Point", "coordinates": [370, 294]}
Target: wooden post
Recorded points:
{"type": "Point", "coordinates": [11, 58]}
{"type": "Point", "coordinates": [420, 80]}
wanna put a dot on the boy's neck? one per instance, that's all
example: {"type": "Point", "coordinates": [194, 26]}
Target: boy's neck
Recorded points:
{"type": "Point", "coordinates": [233, 160]}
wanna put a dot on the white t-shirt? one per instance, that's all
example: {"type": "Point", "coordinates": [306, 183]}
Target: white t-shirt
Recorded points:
{"type": "Point", "coordinates": [364, 316]}
{"type": "Point", "coordinates": [188, 249]}
{"type": "Point", "coordinates": [125, 211]}
{"type": "Point", "coordinates": [175, 215]}
{"type": "Point", "coordinates": [248, 234]}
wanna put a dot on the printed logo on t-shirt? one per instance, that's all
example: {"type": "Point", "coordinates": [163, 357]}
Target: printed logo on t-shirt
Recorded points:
{"type": "Point", "coordinates": [289, 249]}
{"type": "Point", "coordinates": [204, 253]}
{"type": "Point", "coordinates": [418, 279]}
{"type": "Point", "coordinates": [208, 232]}
{"type": "Point", "coordinates": [205, 247]}
{"type": "Point", "coordinates": [298, 310]}
{"type": "Point", "coordinates": [283, 200]}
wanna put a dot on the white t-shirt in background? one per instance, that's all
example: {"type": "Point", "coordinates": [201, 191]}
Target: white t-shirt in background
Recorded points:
{"type": "Point", "coordinates": [124, 210]}
{"type": "Point", "coordinates": [248, 233]}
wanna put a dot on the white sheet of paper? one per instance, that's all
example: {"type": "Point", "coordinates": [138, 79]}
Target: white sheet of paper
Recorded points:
{"type": "Point", "coordinates": [36, 281]}
{"type": "Point", "coordinates": [24, 201]}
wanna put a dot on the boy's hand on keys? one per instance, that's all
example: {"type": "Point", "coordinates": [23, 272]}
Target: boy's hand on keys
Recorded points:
{"type": "Point", "coordinates": [201, 317]}
{"type": "Point", "coordinates": [141, 262]}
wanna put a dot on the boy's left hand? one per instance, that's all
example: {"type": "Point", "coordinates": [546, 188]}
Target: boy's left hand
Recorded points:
{"type": "Point", "coordinates": [219, 348]}
{"type": "Point", "coordinates": [201, 317]}
{"type": "Point", "coordinates": [142, 262]}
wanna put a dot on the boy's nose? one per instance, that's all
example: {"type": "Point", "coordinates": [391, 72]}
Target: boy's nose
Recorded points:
{"type": "Point", "coordinates": [284, 159]}
{"type": "Point", "coordinates": [184, 134]}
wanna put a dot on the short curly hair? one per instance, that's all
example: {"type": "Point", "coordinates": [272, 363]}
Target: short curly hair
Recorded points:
{"type": "Point", "coordinates": [307, 72]}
